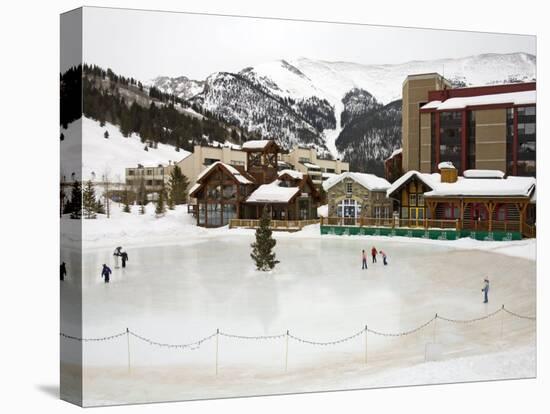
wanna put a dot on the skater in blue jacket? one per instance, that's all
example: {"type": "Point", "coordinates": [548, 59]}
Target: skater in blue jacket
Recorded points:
{"type": "Point", "coordinates": [106, 273]}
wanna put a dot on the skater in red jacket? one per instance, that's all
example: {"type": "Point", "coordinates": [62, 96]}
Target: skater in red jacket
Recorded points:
{"type": "Point", "coordinates": [373, 252]}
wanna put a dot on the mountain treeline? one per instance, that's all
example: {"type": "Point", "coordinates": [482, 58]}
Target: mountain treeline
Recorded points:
{"type": "Point", "coordinates": [156, 116]}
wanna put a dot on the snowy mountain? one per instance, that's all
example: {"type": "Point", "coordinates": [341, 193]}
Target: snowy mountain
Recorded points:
{"type": "Point", "coordinates": [310, 101]}
{"type": "Point", "coordinates": [182, 86]}
{"type": "Point", "coordinates": [99, 155]}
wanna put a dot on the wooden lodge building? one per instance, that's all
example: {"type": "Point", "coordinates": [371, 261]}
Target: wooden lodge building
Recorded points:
{"type": "Point", "coordinates": [480, 200]}
{"type": "Point", "coordinates": [224, 192]}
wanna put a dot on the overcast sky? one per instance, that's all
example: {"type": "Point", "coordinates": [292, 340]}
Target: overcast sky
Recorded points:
{"type": "Point", "coordinates": [146, 44]}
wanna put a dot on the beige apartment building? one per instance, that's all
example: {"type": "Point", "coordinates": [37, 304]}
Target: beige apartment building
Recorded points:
{"type": "Point", "coordinates": [487, 127]}
{"type": "Point", "coordinates": [305, 160]}
{"type": "Point", "coordinates": [153, 178]}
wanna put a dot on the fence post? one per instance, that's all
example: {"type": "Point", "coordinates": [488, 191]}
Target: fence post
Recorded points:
{"type": "Point", "coordinates": [502, 322]}
{"type": "Point", "coordinates": [128, 346]}
{"type": "Point", "coordinates": [366, 343]}
{"type": "Point", "coordinates": [217, 346]}
{"type": "Point", "coordinates": [435, 328]}
{"type": "Point", "coordinates": [286, 351]}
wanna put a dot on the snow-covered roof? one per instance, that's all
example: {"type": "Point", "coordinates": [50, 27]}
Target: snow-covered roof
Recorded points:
{"type": "Point", "coordinates": [272, 193]}
{"type": "Point", "coordinates": [445, 165]}
{"type": "Point", "coordinates": [234, 172]}
{"type": "Point", "coordinates": [394, 153]}
{"type": "Point", "coordinates": [293, 173]}
{"type": "Point", "coordinates": [256, 144]}
{"type": "Point", "coordinates": [470, 187]}
{"type": "Point", "coordinates": [311, 166]}
{"type": "Point", "coordinates": [369, 181]}
{"type": "Point", "coordinates": [483, 174]}
{"type": "Point", "coordinates": [194, 188]}
{"type": "Point", "coordinates": [515, 98]}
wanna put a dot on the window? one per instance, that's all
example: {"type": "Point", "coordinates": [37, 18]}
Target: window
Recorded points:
{"type": "Point", "coordinates": [229, 191]}
{"type": "Point", "coordinates": [210, 161]}
{"type": "Point", "coordinates": [349, 188]}
{"type": "Point", "coordinates": [149, 172]}
{"type": "Point", "coordinates": [236, 163]}
{"type": "Point", "coordinates": [526, 139]}
{"type": "Point", "coordinates": [130, 172]}
{"type": "Point", "coordinates": [404, 212]}
{"type": "Point", "coordinates": [412, 200]}
{"type": "Point", "coordinates": [420, 199]}
{"type": "Point", "coordinates": [304, 159]}
{"type": "Point", "coordinates": [471, 140]}
{"type": "Point", "coordinates": [450, 130]}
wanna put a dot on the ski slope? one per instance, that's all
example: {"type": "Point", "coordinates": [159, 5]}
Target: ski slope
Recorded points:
{"type": "Point", "coordinates": [97, 156]}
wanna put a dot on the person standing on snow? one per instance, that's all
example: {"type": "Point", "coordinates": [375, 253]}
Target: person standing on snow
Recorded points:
{"type": "Point", "coordinates": [485, 290]}
{"type": "Point", "coordinates": [106, 273]}
{"type": "Point", "coordinates": [384, 258]}
{"type": "Point", "coordinates": [373, 252]}
{"type": "Point", "coordinates": [63, 271]}
{"type": "Point", "coordinates": [117, 253]}
{"type": "Point", "coordinates": [364, 260]}
{"type": "Point", "coordinates": [124, 257]}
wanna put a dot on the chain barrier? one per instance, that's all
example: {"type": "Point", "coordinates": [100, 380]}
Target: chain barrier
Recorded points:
{"type": "Point", "coordinates": [104, 338]}
{"type": "Point", "coordinates": [197, 344]}
{"type": "Point", "coordinates": [336, 342]}
{"type": "Point", "coordinates": [191, 345]}
{"type": "Point", "coordinates": [404, 333]}
{"type": "Point", "coordinates": [466, 321]}
{"type": "Point", "coordinates": [530, 318]}
{"type": "Point", "coordinates": [258, 338]}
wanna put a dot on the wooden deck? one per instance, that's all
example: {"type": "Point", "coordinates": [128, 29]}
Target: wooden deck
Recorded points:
{"type": "Point", "coordinates": [280, 225]}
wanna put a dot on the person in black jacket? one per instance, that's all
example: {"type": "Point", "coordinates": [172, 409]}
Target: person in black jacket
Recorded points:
{"type": "Point", "coordinates": [63, 271]}
{"type": "Point", "coordinates": [106, 273]}
{"type": "Point", "coordinates": [124, 257]}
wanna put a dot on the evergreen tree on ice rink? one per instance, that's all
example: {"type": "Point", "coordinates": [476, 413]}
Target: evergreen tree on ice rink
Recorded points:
{"type": "Point", "coordinates": [262, 248]}
{"type": "Point", "coordinates": [89, 203]}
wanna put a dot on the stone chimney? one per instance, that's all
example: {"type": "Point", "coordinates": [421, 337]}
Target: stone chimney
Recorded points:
{"type": "Point", "coordinates": [449, 173]}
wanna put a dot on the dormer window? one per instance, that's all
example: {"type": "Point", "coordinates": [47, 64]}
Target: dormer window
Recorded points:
{"type": "Point", "coordinates": [349, 188]}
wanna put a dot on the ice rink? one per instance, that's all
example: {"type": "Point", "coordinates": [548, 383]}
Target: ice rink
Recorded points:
{"type": "Point", "coordinates": [177, 294]}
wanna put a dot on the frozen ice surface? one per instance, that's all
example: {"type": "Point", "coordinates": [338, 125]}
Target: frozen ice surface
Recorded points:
{"type": "Point", "coordinates": [181, 292]}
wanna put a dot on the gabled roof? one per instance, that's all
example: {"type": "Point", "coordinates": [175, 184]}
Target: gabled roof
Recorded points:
{"type": "Point", "coordinates": [258, 145]}
{"type": "Point", "coordinates": [297, 175]}
{"type": "Point", "coordinates": [428, 179]}
{"type": "Point", "coordinates": [369, 181]}
{"type": "Point", "coordinates": [273, 193]}
{"type": "Point", "coordinates": [241, 178]}
{"type": "Point", "coordinates": [469, 187]}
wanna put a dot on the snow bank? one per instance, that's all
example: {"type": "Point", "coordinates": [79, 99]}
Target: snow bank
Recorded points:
{"type": "Point", "coordinates": [97, 155]}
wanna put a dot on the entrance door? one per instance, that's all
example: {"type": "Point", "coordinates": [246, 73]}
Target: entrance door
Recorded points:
{"type": "Point", "coordinates": [416, 216]}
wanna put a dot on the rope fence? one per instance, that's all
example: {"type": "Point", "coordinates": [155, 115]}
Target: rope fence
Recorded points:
{"type": "Point", "coordinates": [365, 331]}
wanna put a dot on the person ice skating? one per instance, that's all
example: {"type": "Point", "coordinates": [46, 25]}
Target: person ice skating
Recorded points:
{"type": "Point", "coordinates": [364, 260]}
{"type": "Point", "coordinates": [373, 252]}
{"type": "Point", "coordinates": [485, 290]}
{"type": "Point", "coordinates": [106, 273]}
{"type": "Point", "coordinates": [124, 257]}
{"type": "Point", "coordinates": [63, 271]}
{"type": "Point", "coordinates": [117, 253]}
{"type": "Point", "coordinates": [384, 258]}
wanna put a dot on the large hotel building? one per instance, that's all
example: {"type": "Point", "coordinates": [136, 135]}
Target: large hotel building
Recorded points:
{"type": "Point", "coordinates": [488, 127]}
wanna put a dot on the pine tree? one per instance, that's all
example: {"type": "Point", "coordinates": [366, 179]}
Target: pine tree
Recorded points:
{"type": "Point", "coordinates": [262, 248]}
{"type": "Point", "coordinates": [106, 134]}
{"type": "Point", "coordinates": [170, 201]}
{"type": "Point", "coordinates": [178, 184]}
{"type": "Point", "coordinates": [74, 206]}
{"type": "Point", "coordinates": [126, 201]}
{"type": "Point", "coordinates": [89, 203]}
{"type": "Point", "coordinates": [160, 210]}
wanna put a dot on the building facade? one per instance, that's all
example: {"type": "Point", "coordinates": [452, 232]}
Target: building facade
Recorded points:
{"type": "Point", "coordinates": [224, 192]}
{"type": "Point", "coordinates": [153, 178]}
{"type": "Point", "coordinates": [488, 127]}
{"type": "Point", "coordinates": [305, 160]}
{"type": "Point", "coordinates": [352, 196]}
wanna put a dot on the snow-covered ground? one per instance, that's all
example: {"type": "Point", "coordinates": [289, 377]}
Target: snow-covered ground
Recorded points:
{"type": "Point", "coordinates": [184, 282]}
{"type": "Point", "coordinates": [97, 155]}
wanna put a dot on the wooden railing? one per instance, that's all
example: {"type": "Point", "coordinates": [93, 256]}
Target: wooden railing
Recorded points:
{"type": "Point", "coordinates": [475, 225]}
{"type": "Point", "coordinates": [288, 225]}
{"type": "Point", "coordinates": [530, 230]}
